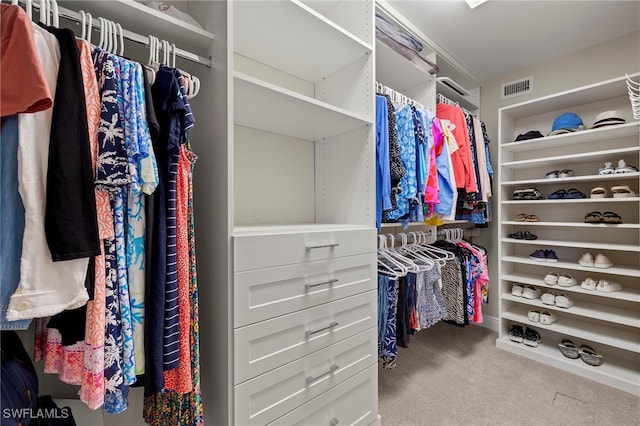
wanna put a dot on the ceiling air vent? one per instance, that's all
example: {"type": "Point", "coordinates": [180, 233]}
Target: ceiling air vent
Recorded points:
{"type": "Point", "coordinates": [517, 88]}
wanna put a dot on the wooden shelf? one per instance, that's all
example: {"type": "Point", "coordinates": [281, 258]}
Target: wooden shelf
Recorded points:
{"type": "Point", "coordinates": [585, 309]}
{"type": "Point", "coordinates": [575, 225]}
{"type": "Point", "coordinates": [572, 327]}
{"type": "Point", "coordinates": [587, 178]}
{"type": "Point", "coordinates": [147, 21]}
{"type": "Point", "coordinates": [575, 138]}
{"type": "Point", "coordinates": [626, 294]}
{"type": "Point", "coordinates": [268, 107]}
{"type": "Point", "coordinates": [293, 30]}
{"type": "Point", "coordinates": [578, 244]}
{"type": "Point", "coordinates": [620, 373]}
{"type": "Point", "coordinates": [615, 270]}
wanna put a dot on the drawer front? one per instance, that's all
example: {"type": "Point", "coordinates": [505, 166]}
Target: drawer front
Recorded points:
{"type": "Point", "coordinates": [269, 344]}
{"type": "Point", "coordinates": [273, 394]}
{"type": "Point", "coordinates": [266, 293]}
{"type": "Point", "coordinates": [353, 402]}
{"type": "Point", "coordinates": [266, 251]}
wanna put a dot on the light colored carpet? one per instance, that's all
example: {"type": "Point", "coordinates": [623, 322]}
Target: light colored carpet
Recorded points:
{"type": "Point", "coordinates": [456, 376]}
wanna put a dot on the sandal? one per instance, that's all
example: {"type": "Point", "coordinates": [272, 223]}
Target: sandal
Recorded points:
{"type": "Point", "coordinates": [590, 356]}
{"type": "Point", "coordinates": [520, 217]}
{"type": "Point", "coordinates": [622, 191]}
{"type": "Point", "coordinates": [548, 317]}
{"type": "Point", "coordinates": [516, 235]}
{"type": "Point", "coordinates": [531, 218]}
{"type": "Point", "coordinates": [611, 217]}
{"type": "Point", "coordinates": [624, 168]}
{"type": "Point", "coordinates": [532, 194]}
{"type": "Point", "coordinates": [598, 192]}
{"type": "Point", "coordinates": [534, 315]}
{"type": "Point", "coordinates": [518, 194]}
{"type": "Point", "coordinates": [574, 194]}
{"type": "Point", "coordinates": [565, 173]}
{"type": "Point", "coordinates": [552, 175]}
{"type": "Point", "coordinates": [558, 195]}
{"type": "Point", "coordinates": [593, 217]}
{"type": "Point", "coordinates": [568, 349]}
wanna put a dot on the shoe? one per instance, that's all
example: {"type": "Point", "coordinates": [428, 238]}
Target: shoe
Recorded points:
{"type": "Point", "coordinates": [589, 355]}
{"type": "Point", "coordinates": [574, 194]}
{"type": "Point", "coordinates": [622, 191]}
{"type": "Point", "coordinates": [566, 280]}
{"type": "Point", "coordinates": [624, 168]}
{"type": "Point", "coordinates": [531, 218]}
{"type": "Point", "coordinates": [551, 278]}
{"type": "Point", "coordinates": [538, 255]}
{"type": "Point", "coordinates": [565, 173]}
{"type": "Point", "coordinates": [586, 259]}
{"type": "Point", "coordinates": [530, 292]}
{"type": "Point", "coordinates": [547, 317]}
{"type": "Point", "coordinates": [568, 349]}
{"type": "Point", "coordinates": [517, 235]}
{"type": "Point", "coordinates": [534, 315]}
{"type": "Point", "coordinates": [549, 298]}
{"type": "Point", "coordinates": [607, 169]}
{"type": "Point", "coordinates": [520, 217]}
{"type": "Point", "coordinates": [589, 284]}
{"type": "Point", "coordinates": [611, 217]}
{"type": "Point", "coordinates": [593, 217]}
{"type": "Point", "coordinates": [516, 334]}
{"type": "Point", "coordinates": [560, 194]}
{"type": "Point", "coordinates": [601, 261]}
{"type": "Point", "coordinates": [531, 337]}
{"type": "Point", "coordinates": [518, 194]}
{"type": "Point", "coordinates": [563, 301]}
{"type": "Point", "coordinates": [552, 174]}
{"type": "Point", "coordinates": [598, 192]}
{"type": "Point", "coordinates": [532, 194]}
{"type": "Point", "coordinates": [550, 256]}
{"type": "Point", "coordinates": [607, 286]}
{"type": "Point", "coordinates": [517, 289]}
{"type": "Point", "coordinates": [529, 236]}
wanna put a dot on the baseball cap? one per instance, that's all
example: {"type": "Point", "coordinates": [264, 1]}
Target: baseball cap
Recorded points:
{"type": "Point", "coordinates": [608, 118]}
{"type": "Point", "coordinates": [531, 134]}
{"type": "Point", "coordinates": [566, 123]}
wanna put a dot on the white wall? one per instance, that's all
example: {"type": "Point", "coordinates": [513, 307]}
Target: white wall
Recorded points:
{"type": "Point", "coordinates": [602, 62]}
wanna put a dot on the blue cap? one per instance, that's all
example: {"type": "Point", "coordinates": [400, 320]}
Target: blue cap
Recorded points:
{"type": "Point", "coordinates": [566, 123]}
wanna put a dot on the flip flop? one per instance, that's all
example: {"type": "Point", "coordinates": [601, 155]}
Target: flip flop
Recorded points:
{"type": "Point", "coordinates": [532, 218]}
{"type": "Point", "coordinates": [520, 217]}
{"type": "Point", "coordinates": [611, 217]}
{"type": "Point", "coordinates": [590, 356]}
{"type": "Point", "coordinates": [575, 194]}
{"type": "Point", "coordinates": [568, 349]}
{"type": "Point", "coordinates": [593, 217]}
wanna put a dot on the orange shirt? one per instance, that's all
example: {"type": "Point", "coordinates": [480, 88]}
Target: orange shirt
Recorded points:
{"type": "Point", "coordinates": [24, 88]}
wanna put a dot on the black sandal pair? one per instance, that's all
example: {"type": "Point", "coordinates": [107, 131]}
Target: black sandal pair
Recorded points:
{"type": "Point", "coordinates": [523, 235]}
{"type": "Point", "coordinates": [606, 217]}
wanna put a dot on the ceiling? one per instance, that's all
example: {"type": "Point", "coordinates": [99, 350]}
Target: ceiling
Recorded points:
{"type": "Point", "coordinates": [500, 37]}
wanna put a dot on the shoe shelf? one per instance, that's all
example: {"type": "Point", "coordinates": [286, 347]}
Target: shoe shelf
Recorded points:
{"type": "Point", "coordinates": [561, 181]}
{"type": "Point", "coordinates": [628, 271]}
{"type": "Point", "coordinates": [576, 200]}
{"type": "Point", "coordinates": [626, 294]}
{"type": "Point", "coordinates": [570, 159]}
{"type": "Point", "coordinates": [578, 244]}
{"type": "Point", "coordinates": [581, 308]}
{"type": "Point", "coordinates": [614, 371]}
{"type": "Point", "coordinates": [577, 138]}
{"type": "Point", "coordinates": [610, 320]}
{"type": "Point", "coordinates": [606, 335]}
{"type": "Point", "coordinates": [575, 224]}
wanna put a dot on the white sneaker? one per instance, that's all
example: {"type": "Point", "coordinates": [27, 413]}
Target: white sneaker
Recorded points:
{"type": "Point", "coordinates": [530, 292]}
{"type": "Point", "coordinates": [516, 290]}
{"type": "Point", "coordinates": [549, 298]}
{"type": "Point", "coordinates": [586, 259]}
{"type": "Point", "coordinates": [608, 286]}
{"type": "Point", "coordinates": [551, 278]}
{"type": "Point", "coordinates": [566, 280]}
{"type": "Point", "coordinates": [589, 284]}
{"type": "Point", "coordinates": [563, 301]}
{"type": "Point", "coordinates": [547, 317]}
{"type": "Point", "coordinates": [601, 261]}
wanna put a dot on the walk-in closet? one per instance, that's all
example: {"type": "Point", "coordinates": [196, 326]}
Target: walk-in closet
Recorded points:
{"type": "Point", "coordinates": [320, 212]}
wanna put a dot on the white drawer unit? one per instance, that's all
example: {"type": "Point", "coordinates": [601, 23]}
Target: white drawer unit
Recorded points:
{"type": "Point", "coordinates": [273, 394]}
{"type": "Point", "coordinates": [354, 402]}
{"type": "Point", "coordinates": [269, 344]}
{"type": "Point", "coordinates": [255, 250]}
{"type": "Point", "coordinates": [261, 294]}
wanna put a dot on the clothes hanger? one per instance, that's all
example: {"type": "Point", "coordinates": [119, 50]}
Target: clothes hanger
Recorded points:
{"type": "Point", "coordinates": [89, 27]}
{"type": "Point", "coordinates": [387, 261]}
{"type": "Point", "coordinates": [120, 33]}
{"type": "Point", "coordinates": [53, 8]}
{"type": "Point", "coordinates": [402, 257]}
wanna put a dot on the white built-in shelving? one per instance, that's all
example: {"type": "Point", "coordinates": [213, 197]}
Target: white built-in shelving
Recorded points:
{"type": "Point", "coordinates": [609, 322]}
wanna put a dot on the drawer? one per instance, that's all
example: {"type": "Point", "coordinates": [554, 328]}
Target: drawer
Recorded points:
{"type": "Point", "coordinates": [353, 402]}
{"type": "Point", "coordinates": [261, 294]}
{"type": "Point", "coordinates": [273, 394]}
{"type": "Point", "coordinates": [255, 251]}
{"type": "Point", "coordinates": [269, 344]}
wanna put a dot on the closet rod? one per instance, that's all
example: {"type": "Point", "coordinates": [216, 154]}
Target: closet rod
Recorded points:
{"type": "Point", "coordinates": [381, 88]}
{"type": "Point", "coordinates": [130, 35]}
